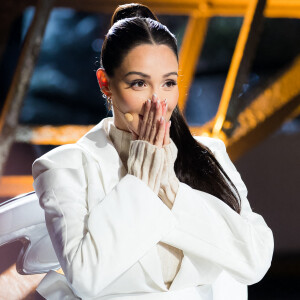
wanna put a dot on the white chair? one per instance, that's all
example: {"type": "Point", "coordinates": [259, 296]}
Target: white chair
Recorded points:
{"type": "Point", "coordinates": [22, 219]}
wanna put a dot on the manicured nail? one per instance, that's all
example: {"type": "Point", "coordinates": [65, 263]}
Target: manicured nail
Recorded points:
{"type": "Point", "coordinates": [149, 100]}
{"type": "Point", "coordinates": [161, 119]}
{"type": "Point", "coordinates": [157, 104]}
{"type": "Point", "coordinates": [170, 123]}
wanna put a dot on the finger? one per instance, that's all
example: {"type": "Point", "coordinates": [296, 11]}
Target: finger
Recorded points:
{"type": "Point", "coordinates": [145, 118]}
{"type": "Point", "coordinates": [155, 124]}
{"type": "Point", "coordinates": [167, 133]}
{"type": "Point", "coordinates": [160, 133]}
{"type": "Point", "coordinates": [165, 108]}
{"type": "Point", "coordinates": [149, 122]}
{"type": "Point", "coordinates": [154, 98]}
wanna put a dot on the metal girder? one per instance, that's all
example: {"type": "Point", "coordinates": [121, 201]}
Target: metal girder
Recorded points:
{"type": "Point", "coordinates": [267, 112]}
{"type": "Point", "coordinates": [189, 54]}
{"type": "Point", "coordinates": [51, 135]}
{"type": "Point", "coordinates": [274, 8]}
{"type": "Point", "coordinates": [240, 65]}
{"type": "Point", "coordinates": [274, 105]}
{"type": "Point", "coordinates": [11, 186]}
{"type": "Point", "coordinates": [13, 103]}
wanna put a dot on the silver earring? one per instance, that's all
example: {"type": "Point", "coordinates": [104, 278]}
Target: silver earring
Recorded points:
{"type": "Point", "coordinates": [109, 102]}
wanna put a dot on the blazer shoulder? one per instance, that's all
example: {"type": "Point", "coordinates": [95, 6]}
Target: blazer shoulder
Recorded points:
{"type": "Point", "coordinates": [219, 151]}
{"type": "Point", "coordinates": [65, 156]}
{"type": "Point", "coordinates": [213, 144]}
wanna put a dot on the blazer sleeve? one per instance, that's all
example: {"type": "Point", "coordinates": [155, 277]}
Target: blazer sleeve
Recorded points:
{"type": "Point", "coordinates": [95, 245]}
{"type": "Point", "coordinates": [213, 235]}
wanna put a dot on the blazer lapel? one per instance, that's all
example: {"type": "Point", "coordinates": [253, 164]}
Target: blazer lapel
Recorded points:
{"type": "Point", "coordinates": [151, 264]}
{"type": "Point", "coordinates": [98, 144]}
{"type": "Point", "coordinates": [187, 276]}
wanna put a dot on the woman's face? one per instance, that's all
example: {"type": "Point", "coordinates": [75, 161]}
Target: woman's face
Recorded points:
{"type": "Point", "coordinates": [146, 70]}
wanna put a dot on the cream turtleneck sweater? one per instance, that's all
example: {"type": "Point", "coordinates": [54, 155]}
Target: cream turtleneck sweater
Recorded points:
{"type": "Point", "coordinates": [155, 166]}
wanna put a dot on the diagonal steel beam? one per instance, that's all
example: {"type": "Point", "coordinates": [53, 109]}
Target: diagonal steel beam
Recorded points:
{"type": "Point", "coordinates": [267, 112]}
{"type": "Point", "coordinates": [240, 65]}
{"type": "Point", "coordinates": [13, 103]}
{"type": "Point", "coordinates": [189, 54]}
{"type": "Point", "coordinates": [269, 108]}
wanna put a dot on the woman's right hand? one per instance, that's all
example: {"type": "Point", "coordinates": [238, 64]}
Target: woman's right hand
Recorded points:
{"type": "Point", "coordinates": [154, 128]}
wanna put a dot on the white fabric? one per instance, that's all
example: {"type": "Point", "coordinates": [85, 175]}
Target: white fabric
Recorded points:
{"type": "Point", "coordinates": [145, 163]}
{"type": "Point", "coordinates": [105, 227]}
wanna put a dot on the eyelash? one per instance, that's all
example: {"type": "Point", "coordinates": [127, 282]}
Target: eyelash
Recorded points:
{"type": "Point", "coordinates": [137, 81]}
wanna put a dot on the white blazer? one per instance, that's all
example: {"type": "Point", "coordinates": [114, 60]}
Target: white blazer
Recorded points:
{"type": "Point", "coordinates": [104, 225]}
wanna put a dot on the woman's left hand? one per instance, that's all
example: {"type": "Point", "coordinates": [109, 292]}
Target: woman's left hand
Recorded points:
{"type": "Point", "coordinates": [154, 128]}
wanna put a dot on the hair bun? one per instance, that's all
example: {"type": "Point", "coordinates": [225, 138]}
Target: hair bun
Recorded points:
{"type": "Point", "coordinates": [132, 10]}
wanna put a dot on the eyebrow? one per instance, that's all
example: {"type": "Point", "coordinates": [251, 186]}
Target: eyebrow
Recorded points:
{"type": "Point", "coordinates": [148, 76]}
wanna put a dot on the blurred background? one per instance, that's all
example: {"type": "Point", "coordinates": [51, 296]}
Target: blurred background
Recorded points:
{"type": "Point", "coordinates": [240, 67]}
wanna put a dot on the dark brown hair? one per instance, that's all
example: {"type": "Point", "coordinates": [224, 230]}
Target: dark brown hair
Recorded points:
{"type": "Point", "coordinates": [132, 25]}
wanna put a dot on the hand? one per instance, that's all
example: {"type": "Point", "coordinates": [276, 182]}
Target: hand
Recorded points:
{"type": "Point", "coordinates": [154, 128]}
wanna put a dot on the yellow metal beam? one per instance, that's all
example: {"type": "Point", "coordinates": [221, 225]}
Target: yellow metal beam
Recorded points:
{"type": "Point", "coordinates": [275, 105]}
{"type": "Point", "coordinates": [189, 53]}
{"type": "Point", "coordinates": [274, 8]}
{"type": "Point", "coordinates": [246, 36]}
{"type": "Point", "coordinates": [234, 8]}
{"type": "Point", "coordinates": [51, 135]}
{"type": "Point", "coordinates": [11, 186]}
{"type": "Point", "coordinates": [295, 113]}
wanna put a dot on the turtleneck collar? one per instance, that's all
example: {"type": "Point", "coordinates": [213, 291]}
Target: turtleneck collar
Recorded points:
{"type": "Point", "coordinates": [121, 140]}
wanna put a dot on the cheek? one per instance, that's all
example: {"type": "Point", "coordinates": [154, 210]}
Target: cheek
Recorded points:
{"type": "Point", "coordinates": [172, 102]}
{"type": "Point", "coordinates": [129, 102]}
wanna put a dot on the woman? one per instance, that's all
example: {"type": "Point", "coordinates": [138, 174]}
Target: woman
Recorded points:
{"type": "Point", "coordinates": [138, 207]}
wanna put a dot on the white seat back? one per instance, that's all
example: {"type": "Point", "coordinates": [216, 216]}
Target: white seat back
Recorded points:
{"type": "Point", "coordinates": [22, 219]}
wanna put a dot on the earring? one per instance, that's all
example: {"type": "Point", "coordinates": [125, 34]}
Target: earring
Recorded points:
{"type": "Point", "coordinates": [109, 103]}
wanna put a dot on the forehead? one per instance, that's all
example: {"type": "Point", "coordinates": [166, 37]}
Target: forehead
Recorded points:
{"type": "Point", "coordinates": [150, 58]}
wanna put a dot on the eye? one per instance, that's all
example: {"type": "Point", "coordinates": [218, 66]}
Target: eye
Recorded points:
{"type": "Point", "coordinates": [171, 83]}
{"type": "Point", "coordinates": [137, 83]}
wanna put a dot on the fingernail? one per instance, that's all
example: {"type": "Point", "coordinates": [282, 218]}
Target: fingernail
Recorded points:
{"type": "Point", "coordinates": [157, 104]}
{"type": "Point", "coordinates": [161, 119]}
{"type": "Point", "coordinates": [167, 106]}
{"type": "Point", "coordinates": [165, 100]}
{"type": "Point", "coordinates": [154, 96]}
{"type": "Point", "coordinates": [170, 123]}
{"type": "Point", "coordinates": [149, 100]}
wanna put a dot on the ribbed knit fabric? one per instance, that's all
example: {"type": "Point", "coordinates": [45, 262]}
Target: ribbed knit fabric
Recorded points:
{"type": "Point", "coordinates": [146, 162]}
{"type": "Point", "coordinates": [169, 182]}
{"type": "Point", "coordinates": [155, 166]}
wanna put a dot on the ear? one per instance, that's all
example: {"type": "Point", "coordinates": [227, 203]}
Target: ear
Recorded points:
{"type": "Point", "coordinates": [103, 81]}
